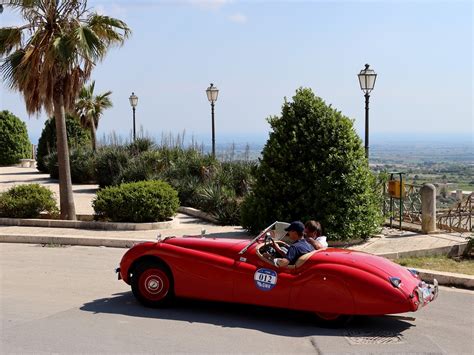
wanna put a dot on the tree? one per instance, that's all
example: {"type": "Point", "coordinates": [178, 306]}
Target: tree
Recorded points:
{"type": "Point", "coordinates": [313, 166]}
{"type": "Point", "coordinates": [89, 109]}
{"type": "Point", "coordinates": [77, 137]}
{"type": "Point", "coordinates": [14, 142]}
{"type": "Point", "coordinates": [50, 58]}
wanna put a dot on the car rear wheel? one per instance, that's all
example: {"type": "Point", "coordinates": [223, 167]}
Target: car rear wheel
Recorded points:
{"type": "Point", "coordinates": [152, 284]}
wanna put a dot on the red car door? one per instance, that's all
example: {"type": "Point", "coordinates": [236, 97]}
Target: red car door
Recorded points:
{"type": "Point", "coordinates": [257, 282]}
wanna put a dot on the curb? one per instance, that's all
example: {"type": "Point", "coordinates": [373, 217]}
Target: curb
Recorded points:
{"type": "Point", "coordinates": [448, 278]}
{"type": "Point", "coordinates": [82, 241]}
{"type": "Point", "coordinates": [452, 250]}
{"type": "Point", "coordinates": [197, 213]}
{"type": "Point", "coordinates": [54, 223]}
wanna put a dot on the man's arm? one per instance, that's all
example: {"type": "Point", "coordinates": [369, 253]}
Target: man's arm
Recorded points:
{"type": "Point", "coordinates": [277, 248]}
{"type": "Point", "coordinates": [285, 261]}
{"type": "Point", "coordinates": [316, 245]}
{"type": "Point", "coordinates": [281, 262]}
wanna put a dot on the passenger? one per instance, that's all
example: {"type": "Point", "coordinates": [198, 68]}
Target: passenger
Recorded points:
{"type": "Point", "coordinates": [299, 247]}
{"type": "Point", "coordinates": [313, 234]}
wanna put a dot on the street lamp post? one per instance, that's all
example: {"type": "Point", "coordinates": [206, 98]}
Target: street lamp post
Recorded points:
{"type": "Point", "coordinates": [133, 102]}
{"type": "Point", "coordinates": [367, 82]}
{"type": "Point", "coordinates": [212, 93]}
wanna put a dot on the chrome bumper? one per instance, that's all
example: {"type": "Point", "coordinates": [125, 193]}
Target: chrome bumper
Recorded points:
{"type": "Point", "coordinates": [427, 293]}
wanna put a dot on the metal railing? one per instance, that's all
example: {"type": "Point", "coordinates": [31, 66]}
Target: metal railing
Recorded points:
{"type": "Point", "coordinates": [410, 204]}
{"type": "Point", "coordinates": [458, 218]}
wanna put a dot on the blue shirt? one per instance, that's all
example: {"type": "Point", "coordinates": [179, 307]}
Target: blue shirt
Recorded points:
{"type": "Point", "coordinates": [298, 248]}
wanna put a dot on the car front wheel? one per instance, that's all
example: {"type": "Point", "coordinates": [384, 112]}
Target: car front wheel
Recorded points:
{"type": "Point", "coordinates": [152, 284]}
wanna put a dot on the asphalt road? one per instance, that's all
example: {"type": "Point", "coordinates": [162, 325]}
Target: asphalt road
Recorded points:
{"type": "Point", "coordinates": [67, 300]}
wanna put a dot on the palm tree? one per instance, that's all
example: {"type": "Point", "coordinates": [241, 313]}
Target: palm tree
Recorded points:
{"type": "Point", "coordinates": [50, 58]}
{"type": "Point", "coordinates": [89, 108]}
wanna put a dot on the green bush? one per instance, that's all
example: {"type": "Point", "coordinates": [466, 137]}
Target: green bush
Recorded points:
{"type": "Point", "coordinates": [111, 163]}
{"type": "Point", "coordinates": [14, 142]}
{"type": "Point", "coordinates": [82, 162]}
{"type": "Point", "coordinates": [200, 180]}
{"type": "Point", "coordinates": [144, 201]}
{"type": "Point", "coordinates": [145, 166]}
{"type": "Point", "coordinates": [313, 166]}
{"type": "Point", "coordinates": [141, 145]}
{"type": "Point", "coordinates": [27, 201]}
{"type": "Point", "coordinates": [220, 202]}
{"type": "Point", "coordinates": [76, 135]}
{"type": "Point", "coordinates": [187, 187]}
{"type": "Point", "coordinates": [237, 175]}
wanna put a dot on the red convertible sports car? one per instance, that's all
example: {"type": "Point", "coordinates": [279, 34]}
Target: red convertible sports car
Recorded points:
{"type": "Point", "coordinates": [331, 283]}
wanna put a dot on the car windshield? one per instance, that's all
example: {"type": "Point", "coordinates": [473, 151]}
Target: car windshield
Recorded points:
{"type": "Point", "coordinates": [279, 234]}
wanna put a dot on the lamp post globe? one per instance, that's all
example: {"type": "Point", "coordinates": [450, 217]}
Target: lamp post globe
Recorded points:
{"type": "Point", "coordinates": [367, 78]}
{"type": "Point", "coordinates": [212, 92]}
{"type": "Point", "coordinates": [133, 102]}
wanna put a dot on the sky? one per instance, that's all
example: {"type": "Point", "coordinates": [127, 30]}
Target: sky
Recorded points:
{"type": "Point", "coordinates": [259, 52]}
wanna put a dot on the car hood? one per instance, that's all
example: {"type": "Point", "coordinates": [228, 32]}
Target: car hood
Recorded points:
{"type": "Point", "coordinates": [221, 246]}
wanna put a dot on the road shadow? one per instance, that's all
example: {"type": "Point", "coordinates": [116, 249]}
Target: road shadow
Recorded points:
{"type": "Point", "coordinates": [187, 219]}
{"type": "Point", "coordinates": [229, 235]}
{"type": "Point", "coordinates": [79, 190]}
{"type": "Point", "coordinates": [229, 315]}
{"type": "Point", "coordinates": [23, 173]}
{"type": "Point", "coordinates": [32, 180]}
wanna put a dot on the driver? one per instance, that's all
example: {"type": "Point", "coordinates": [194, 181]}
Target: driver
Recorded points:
{"type": "Point", "coordinates": [299, 247]}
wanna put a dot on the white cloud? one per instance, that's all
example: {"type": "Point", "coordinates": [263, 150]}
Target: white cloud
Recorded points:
{"type": "Point", "coordinates": [238, 18]}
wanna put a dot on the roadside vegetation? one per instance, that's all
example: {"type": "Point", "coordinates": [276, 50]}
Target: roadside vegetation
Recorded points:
{"type": "Point", "coordinates": [77, 138]}
{"type": "Point", "coordinates": [14, 141]}
{"type": "Point", "coordinates": [144, 201]}
{"type": "Point", "coordinates": [27, 201]}
{"type": "Point", "coordinates": [313, 166]}
{"type": "Point", "coordinates": [440, 263]}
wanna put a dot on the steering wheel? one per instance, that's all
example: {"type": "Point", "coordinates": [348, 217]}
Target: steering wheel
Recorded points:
{"type": "Point", "coordinates": [268, 246]}
{"type": "Point", "coordinates": [268, 238]}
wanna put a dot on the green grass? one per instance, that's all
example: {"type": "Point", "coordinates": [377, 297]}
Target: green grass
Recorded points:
{"type": "Point", "coordinates": [439, 263]}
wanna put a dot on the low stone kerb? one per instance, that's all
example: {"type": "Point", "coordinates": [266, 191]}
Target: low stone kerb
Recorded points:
{"type": "Point", "coordinates": [87, 224]}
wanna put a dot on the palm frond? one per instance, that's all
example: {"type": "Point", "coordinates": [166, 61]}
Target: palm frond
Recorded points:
{"type": "Point", "coordinates": [11, 66]}
{"type": "Point", "coordinates": [107, 28]}
{"type": "Point", "coordinates": [91, 46]}
{"type": "Point", "coordinates": [57, 53]}
{"type": "Point", "coordinates": [10, 38]}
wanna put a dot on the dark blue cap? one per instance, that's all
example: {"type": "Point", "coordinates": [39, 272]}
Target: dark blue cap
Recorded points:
{"type": "Point", "coordinates": [296, 226]}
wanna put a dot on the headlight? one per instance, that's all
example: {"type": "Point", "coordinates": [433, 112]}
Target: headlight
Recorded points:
{"type": "Point", "coordinates": [395, 281]}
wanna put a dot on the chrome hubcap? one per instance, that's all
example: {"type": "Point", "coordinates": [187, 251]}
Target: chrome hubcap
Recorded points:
{"type": "Point", "coordinates": [153, 284]}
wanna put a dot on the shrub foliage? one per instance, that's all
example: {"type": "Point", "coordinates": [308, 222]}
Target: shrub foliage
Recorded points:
{"type": "Point", "coordinates": [76, 135]}
{"type": "Point", "coordinates": [144, 201]}
{"type": "Point", "coordinates": [14, 142]}
{"type": "Point", "coordinates": [82, 162]}
{"type": "Point", "coordinates": [313, 166]}
{"type": "Point", "coordinates": [27, 201]}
